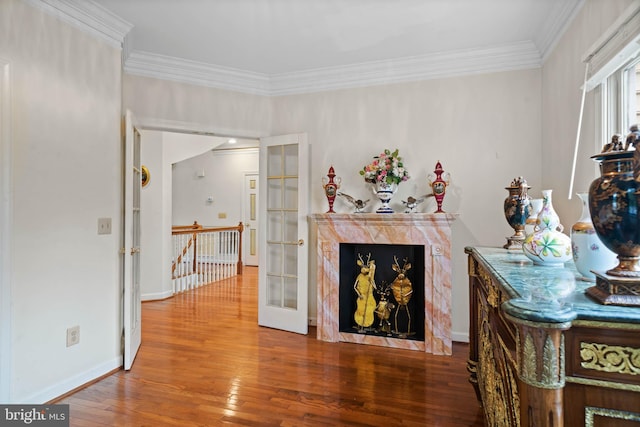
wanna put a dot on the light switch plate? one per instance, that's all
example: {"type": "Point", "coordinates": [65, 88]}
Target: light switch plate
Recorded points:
{"type": "Point", "coordinates": [104, 225]}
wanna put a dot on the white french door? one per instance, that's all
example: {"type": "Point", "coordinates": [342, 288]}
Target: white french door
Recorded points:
{"type": "Point", "coordinates": [284, 204]}
{"type": "Point", "coordinates": [131, 263]}
{"type": "Point", "coordinates": [250, 220]}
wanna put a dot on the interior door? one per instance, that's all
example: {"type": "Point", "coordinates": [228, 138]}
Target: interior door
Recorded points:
{"type": "Point", "coordinates": [131, 263]}
{"type": "Point", "coordinates": [284, 203]}
{"type": "Point", "coordinates": [250, 220]}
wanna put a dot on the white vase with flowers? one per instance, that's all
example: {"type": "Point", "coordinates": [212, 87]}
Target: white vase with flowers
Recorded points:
{"type": "Point", "coordinates": [385, 172]}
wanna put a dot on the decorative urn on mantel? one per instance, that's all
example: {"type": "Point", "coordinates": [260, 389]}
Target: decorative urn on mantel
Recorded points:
{"type": "Point", "coordinates": [331, 186]}
{"type": "Point", "coordinates": [438, 181]}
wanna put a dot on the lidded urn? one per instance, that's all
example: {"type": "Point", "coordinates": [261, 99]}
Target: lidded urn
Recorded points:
{"type": "Point", "coordinates": [517, 207]}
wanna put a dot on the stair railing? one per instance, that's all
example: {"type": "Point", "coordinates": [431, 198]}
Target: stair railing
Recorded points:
{"type": "Point", "coordinates": [205, 254]}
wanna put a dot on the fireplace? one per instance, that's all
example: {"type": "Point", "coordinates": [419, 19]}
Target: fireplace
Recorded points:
{"type": "Point", "coordinates": [422, 239]}
{"type": "Point", "coordinates": [387, 317]}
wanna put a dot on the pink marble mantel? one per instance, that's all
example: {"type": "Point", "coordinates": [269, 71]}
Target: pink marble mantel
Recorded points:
{"type": "Point", "coordinates": [431, 230]}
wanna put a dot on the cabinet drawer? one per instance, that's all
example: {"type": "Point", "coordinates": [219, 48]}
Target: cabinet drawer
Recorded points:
{"type": "Point", "coordinates": [605, 354]}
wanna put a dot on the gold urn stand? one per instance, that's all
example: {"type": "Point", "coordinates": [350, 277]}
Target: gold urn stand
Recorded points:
{"type": "Point", "coordinates": [615, 290]}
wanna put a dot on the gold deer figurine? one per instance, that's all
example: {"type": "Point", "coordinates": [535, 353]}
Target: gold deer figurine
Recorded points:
{"type": "Point", "coordinates": [364, 287]}
{"type": "Point", "coordinates": [402, 291]}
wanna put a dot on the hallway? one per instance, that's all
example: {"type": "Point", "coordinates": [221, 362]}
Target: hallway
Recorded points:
{"type": "Point", "coordinates": [204, 361]}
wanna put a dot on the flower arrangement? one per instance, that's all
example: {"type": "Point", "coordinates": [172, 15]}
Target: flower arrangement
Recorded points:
{"type": "Point", "coordinates": [387, 167]}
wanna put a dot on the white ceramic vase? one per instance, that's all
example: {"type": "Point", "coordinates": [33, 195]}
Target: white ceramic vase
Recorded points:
{"type": "Point", "coordinates": [589, 253]}
{"type": "Point", "coordinates": [384, 192]}
{"type": "Point", "coordinates": [548, 245]}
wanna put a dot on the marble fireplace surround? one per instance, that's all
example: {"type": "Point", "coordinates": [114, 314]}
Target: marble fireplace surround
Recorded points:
{"type": "Point", "coordinates": [328, 231]}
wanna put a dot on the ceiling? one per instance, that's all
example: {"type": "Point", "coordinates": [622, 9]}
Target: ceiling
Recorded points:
{"type": "Point", "coordinates": [262, 43]}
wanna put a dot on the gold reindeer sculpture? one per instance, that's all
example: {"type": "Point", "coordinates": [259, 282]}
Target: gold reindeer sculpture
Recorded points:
{"type": "Point", "coordinates": [364, 287]}
{"type": "Point", "coordinates": [384, 309]}
{"type": "Point", "coordinates": [402, 291]}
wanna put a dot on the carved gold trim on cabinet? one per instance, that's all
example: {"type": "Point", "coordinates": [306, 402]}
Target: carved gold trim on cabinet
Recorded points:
{"type": "Point", "coordinates": [604, 384]}
{"type": "Point", "coordinates": [610, 358]}
{"type": "Point", "coordinates": [497, 383]}
{"type": "Point", "coordinates": [541, 363]}
{"type": "Point", "coordinates": [590, 412]}
{"type": "Point", "coordinates": [607, 325]}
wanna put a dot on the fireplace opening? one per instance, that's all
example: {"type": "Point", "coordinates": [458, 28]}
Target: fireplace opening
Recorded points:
{"type": "Point", "coordinates": [382, 290]}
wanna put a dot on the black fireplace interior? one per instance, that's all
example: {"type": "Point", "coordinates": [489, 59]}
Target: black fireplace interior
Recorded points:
{"type": "Point", "coordinates": [406, 321]}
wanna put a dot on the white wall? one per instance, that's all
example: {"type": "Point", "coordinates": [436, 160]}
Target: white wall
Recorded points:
{"type": "Point", "coordinates": [66, 148]}
{"type": "Point", "coordinates": [223, 181]}
{"type": "Point", "coordinates": [155, 224]}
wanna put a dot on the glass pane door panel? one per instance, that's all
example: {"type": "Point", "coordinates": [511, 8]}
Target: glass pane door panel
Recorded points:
{"type": "Point", "coordinates": [274, 291]}
{"type": "Point", "coordinates": [274, 258]}
{"type": "Point", "coordinates": [290, 227]}
{"type": "Point", "coordinates": [290, 292]}
{"type": "Point", "coordinates": [274, 226]}
{"type": "Point", "coordinates": [290, 193]}
{"type": "Point", "coordinates": [291, 260]}
{"type": "Point", "coordinates": [274, 161]}
{"type": "Point", "coordinates": [274, 199]}
{"type": "Point", "coordinates": [290, 160]}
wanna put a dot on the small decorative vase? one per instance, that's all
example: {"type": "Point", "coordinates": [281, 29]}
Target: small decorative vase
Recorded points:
{"type": "Point", "coordinates": [516, 211]}
{"type": "Point", "coordinates": [384, 192]}
{"type": "Point", "coordinates": [548, 245]}
{"type": "Point", "coordinates": [530, 223]}
{"type": "Point", "coordinates": [589, 253]}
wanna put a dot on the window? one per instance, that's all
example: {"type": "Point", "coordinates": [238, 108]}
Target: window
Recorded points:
{"type": "Point", "coordinates": [613, 64]}
{"type": "Point", "coordinates": [621, 99]}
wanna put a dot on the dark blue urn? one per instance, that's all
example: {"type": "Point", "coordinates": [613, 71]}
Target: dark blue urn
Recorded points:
{"type": "Point", "coordinates": [613, 203]}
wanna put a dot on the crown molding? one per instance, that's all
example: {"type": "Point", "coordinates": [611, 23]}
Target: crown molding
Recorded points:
{"type": "Point", "coordinates": [89, 17]}
{"type": "Point", "coordinates": [562, 16]}
{"type": "Point", "coordinates": [426, 67]}
{"type": "Point", "coordinates": [184, 71]}
{"type": "Point", "coordinates": [93, 18]}
{"type": "Point", "coordinates": [504, 58]}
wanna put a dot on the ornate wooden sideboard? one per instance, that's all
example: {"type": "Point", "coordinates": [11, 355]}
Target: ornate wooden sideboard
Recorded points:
{"type": "Point", "coordinates": [542, 353]}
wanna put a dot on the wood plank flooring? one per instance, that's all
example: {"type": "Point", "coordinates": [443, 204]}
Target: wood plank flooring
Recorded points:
{"type": "Point", "coordinates": [204, 361]}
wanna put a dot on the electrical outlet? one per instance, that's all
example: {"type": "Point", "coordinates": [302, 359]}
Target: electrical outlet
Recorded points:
{"type": "Point", "coordinates": [222, 215]}
{"type": "Point", "coordinates": [104, 225]}
{"type": "Point", "coordinates": [73, 336]}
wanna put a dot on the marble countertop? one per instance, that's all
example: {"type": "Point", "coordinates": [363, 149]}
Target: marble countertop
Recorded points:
{"type": "Point", "coordinates": [547, 294]}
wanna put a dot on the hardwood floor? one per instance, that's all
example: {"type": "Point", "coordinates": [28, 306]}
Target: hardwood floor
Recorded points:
{"type": "Point", "coordinates": [204, 361]}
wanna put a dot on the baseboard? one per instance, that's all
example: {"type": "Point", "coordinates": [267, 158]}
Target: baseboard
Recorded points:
{"type": "Point", "coordinates": [59, 389]}
{"type": "Point", "coordinates": [460, 336]}
{"type": "Point", "coordinates": [156, 296]}
{"type": "Point", "coordinates": [313, 321]}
